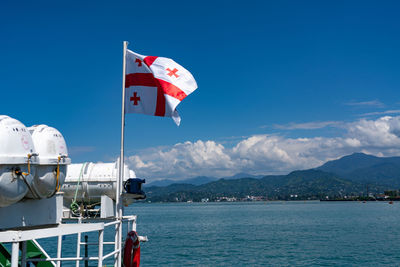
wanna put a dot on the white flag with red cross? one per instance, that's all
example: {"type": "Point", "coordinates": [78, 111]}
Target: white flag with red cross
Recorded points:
{"type": "Point", "coordinates": [155, 85]}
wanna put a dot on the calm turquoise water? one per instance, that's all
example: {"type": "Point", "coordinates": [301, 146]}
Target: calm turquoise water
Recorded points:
{"type": "Point", "coordinates": [266, 234]}
{"type": "Point", "coordinates": [261, 234]}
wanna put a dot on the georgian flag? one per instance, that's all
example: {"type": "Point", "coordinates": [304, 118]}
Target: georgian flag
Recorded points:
{"type": "Point", "coordinates": [156, 85]}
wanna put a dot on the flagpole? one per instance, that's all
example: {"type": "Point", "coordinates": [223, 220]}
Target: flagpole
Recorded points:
{"type": "Point", "coordinates": [118, 198]}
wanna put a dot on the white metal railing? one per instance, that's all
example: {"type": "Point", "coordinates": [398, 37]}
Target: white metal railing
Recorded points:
{"type": "Point", "coordinates": [19, 239]}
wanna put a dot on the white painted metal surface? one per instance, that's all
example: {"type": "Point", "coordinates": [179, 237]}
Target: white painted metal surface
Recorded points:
{"type": "Point", "coordinates": [52, 160]}
{"type": "Point", "coordinates": [96, 172]}
{"type": "Point", "coordinates": [107, 207]}
{"type": "Point", "coordinates": [16, 146]}
{"type": "Point", "coordinates": [14, 254]}
{"type": "Point", "coordinates": [19, 237]}
{"type": "Point", "coordinates": [92, 180]}
{"type": "Point", "coordinates": [32, 212]}
{"type": "Point", "coordinates": [45, 232]}
{"type": "Point", "coordinates": [16, 142]}
{"type": "Point", "coordinates": [32, 161]}
{"type": "Point", "coordinates": [121, 167]}
{"type": "Point", "coordinates": [49, 143]}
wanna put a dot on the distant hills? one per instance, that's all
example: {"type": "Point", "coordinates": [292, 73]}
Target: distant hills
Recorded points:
{"type": "Point", "coordinates": [200, 180]}
{"type": "Point", "coordinates": [349, 175]}
{"type": "Point", "coordinates": [194, 181]}
{"type": "Point", "coordinates": [366, 169]}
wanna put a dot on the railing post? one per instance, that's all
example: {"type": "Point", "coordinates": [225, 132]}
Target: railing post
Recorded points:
{"type": "Point", "coordinates": [59, 247]}
{"type": "Point", "coordinates": [78, 248]}
{"type": "Point", "coordinates": [23, 254]}
{"type": "Point", "coordinates": [101, 237]}
{"type": "Point", "coordinates": [86, 250]}
{"type": "Point", "coordinates": [15, 254]}
{"type": "Point", "coordinates": [116, 245]}
{"type": "Point", "coordinates": [134, 225]}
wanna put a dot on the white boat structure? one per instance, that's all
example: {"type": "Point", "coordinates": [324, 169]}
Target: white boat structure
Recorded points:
{"type": "Point", "coordinates": [43, 195]}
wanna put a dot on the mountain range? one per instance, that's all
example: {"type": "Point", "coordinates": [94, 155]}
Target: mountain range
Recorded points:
{"type": "Point", "coordinates": [351, 175]}
{"type": "Point", "coordinates": [366, 169]}
{"type": "Point", "coordinates": [199, 180]}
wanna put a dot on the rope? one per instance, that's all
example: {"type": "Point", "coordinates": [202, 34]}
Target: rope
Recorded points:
{"type": "Point", "coordinates": [57, 176]}
{"type": "Point", "coordinates": [74, 205]}
{"type": "Point", "coordinates": [18, 172]}
{"type": "Point", "coordinates": [23, 174]}
{"type": "Point", "coordinates": [29, 165]}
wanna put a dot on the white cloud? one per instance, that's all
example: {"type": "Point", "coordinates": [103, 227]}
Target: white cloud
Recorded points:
{"type": "Point", "coordinates": [265, 154]}
{"type": "Point", "coordinates": [372, 103]}
{"type": "Point", "coordinates": [381, 133]}
{"type": "Point", "coordinates": [182, 159]}
{"type": "Point", "coordinates": [386, 112]}
{"type": "Point", "coordinates": [308, 125]}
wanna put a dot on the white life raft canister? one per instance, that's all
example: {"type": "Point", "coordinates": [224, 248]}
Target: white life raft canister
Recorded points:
{"type": "Point", "coordinates": [17, 161]}
{"type": "Point", "coordinates": [52, 161]}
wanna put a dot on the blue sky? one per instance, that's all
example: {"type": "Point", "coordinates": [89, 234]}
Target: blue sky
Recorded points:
{"type": "Point", "coordinates": [275, 71]}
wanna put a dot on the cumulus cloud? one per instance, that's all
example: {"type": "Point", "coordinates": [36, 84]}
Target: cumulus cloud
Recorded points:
{"type": "Point", "coordinates": [184, 159]}
{"type": "Point", "coordinates": [267, 154]}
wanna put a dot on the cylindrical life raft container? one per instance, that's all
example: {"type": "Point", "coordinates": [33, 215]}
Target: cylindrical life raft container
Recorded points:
{"type": "Point", "coordinates": [89, 181]}
{"type": "Point", "coordinates": [52, 161]}
{"type": "Point", "coordinates": [18, 160]}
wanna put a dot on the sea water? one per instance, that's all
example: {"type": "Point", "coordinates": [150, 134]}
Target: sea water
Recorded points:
{"type": "Point", "coordinates": [270, 234]}
{"type": "Point", "coordinates": [264, 234]}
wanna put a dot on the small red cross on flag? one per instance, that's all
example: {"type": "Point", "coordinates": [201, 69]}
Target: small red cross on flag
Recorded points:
{"type": "Point", "coordinates": [135, 99]}
{"type": "Point", "coordinates": [155, 85]}
{"type": "Point", "coordinates": [139, 62]}
{"type": "Point", "coordinates": [172, 72]}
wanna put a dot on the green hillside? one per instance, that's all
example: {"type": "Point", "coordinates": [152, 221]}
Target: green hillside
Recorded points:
{"type": "Point", "coordinates": [309, 184]}
{"type": "Point", "coordinates": [367, 169]}
{"type": "Point", "coordinates": [353, 175]}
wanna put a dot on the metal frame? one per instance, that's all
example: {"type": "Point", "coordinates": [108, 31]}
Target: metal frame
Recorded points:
{"type": "Point", "coordinates": [19, 237]}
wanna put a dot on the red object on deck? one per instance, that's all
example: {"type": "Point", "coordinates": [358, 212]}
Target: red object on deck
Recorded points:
{"type": "Point", "coordinates": [132, 250]}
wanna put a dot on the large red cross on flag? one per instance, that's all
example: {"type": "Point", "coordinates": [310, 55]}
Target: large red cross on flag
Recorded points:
{"type": "Point", "coordinates": [155, 85]}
